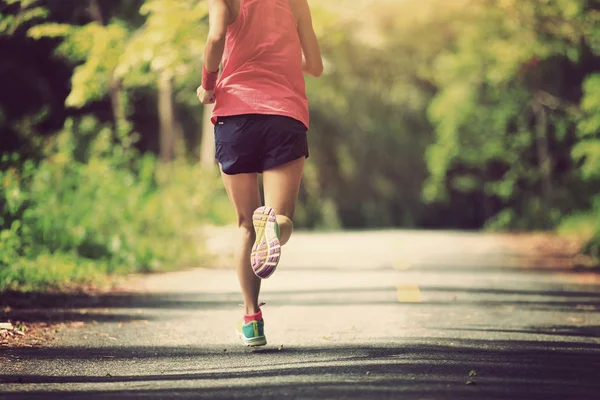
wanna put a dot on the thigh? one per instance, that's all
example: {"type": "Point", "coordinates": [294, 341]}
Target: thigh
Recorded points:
{"type": "Point", "coordinates": [281, 185]}
{"type": "Point", "coordinates": [244, 194]}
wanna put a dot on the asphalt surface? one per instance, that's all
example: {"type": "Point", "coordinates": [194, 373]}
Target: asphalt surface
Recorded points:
{"type": "Point", "coordinates": [398, 315]}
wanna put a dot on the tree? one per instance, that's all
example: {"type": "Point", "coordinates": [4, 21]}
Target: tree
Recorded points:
{"type": "Point", "coordinates": [26, 11]}
{"type": "Point", "coordinates": [369, 128]}
{"type": "Point", "coordinates": [167, 49]}
{"type": "Point", "coordinates": [506, 112]}
{"type": "Point", "coordinates": [116, 55]}
{"type": "Point", "coordinates": [97, 46]}
{"type": "Point", "coordinates": [587, 151]}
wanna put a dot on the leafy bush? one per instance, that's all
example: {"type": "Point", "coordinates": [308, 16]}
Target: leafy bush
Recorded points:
{"type": "Point", "coordinates": [592, 247]}
{"type": "Point", "coordinates": [95, 206]}
{"type": "Point", "coordinates": [584, 226]}
{"type": "Point", "coordinates": [587, 152]}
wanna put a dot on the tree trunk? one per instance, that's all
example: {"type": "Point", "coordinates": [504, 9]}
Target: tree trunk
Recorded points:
{"type": "Point", "coordinates": [207, 145]}
{"type": "Point", "coordinates": [165, 115]}
{"type": "Point", "coordinates": [117, 101]}
{"type": "Point", "coordinates": [486, 206]}
{"type": "Point", "coordinates": [96, 12]}
{"type": "Point", "coordinates": [544, 157]}
{"type": "Point", "coordinates": [116, 94]}
{"type": "Point", "coordinates": [179, 144]}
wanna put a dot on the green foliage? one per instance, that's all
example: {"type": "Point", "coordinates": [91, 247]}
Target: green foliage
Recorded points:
{"type": "Point", "coordinates": [587, 152]}
{"type": "Point", "coordinates": [505, 114]}
{"type": "Point", "coordinates": [587, 149]}
{"type": "Point", "coordinates": [98, 47]}
{"type": "Point", "coordinates": [172, 39]}
{"type": "Point", "coordinates": [91, 208]}
{"type": "Point", "coordinates": [430, 113]}
{"type": "Point", "coordinates": [369, 128]}
{"type": "Point", "coordinates": [585, 226]}
{"type": "Point", "coordinates": [27, 11]}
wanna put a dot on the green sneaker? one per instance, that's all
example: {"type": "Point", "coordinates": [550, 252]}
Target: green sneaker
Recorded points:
{"type": "Point", "coordinates": [252, 333]}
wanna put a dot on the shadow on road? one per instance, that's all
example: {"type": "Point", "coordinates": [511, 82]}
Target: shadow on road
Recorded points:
{"type": "Point", "coordinates": [549, 347]}
{"type": "Point", "coordinates": [433, 368]}
{"type": "Point", "coordinates": [578, 331]}
{"type": "Point", "coordinates": [121, 307]}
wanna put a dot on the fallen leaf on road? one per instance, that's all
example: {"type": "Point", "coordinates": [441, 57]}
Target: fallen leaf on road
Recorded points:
{"type": "Point", "coordinates": [368, 373]}
{"type": "Point", "coordinates": [280, 347]}
{"type": "Point", "coordinates": [470, 382]}
{"type": "Point", "coordinates": [325, 338]}
{"type": "Point", "coordinates": [472, 373]}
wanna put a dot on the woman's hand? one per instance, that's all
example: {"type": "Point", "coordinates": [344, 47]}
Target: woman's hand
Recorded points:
{"type": "Point", "coordinates": [205, 96]}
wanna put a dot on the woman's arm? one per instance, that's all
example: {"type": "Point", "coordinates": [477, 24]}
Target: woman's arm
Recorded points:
{"type": "Point", "coordinates": [219, 17]}
{"type": "Point", "coordinates": [218, 20]}
{"type": "Point", "coordinates": [312, 63]}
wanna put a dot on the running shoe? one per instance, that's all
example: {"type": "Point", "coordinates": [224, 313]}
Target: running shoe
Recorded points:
{"type": "Point", "coordinates": [266, 250]}
{"type": "Point", "coordinates": [252, 333]}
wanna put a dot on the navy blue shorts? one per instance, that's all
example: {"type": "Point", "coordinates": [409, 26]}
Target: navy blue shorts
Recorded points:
{"type": "Point", "coordinates": [258, 142]}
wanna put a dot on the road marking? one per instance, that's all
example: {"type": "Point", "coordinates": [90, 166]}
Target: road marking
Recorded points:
{"type": "Point", "coordinates": [409, 294]}
{"type": "Point", "coordinates": [401, 265]}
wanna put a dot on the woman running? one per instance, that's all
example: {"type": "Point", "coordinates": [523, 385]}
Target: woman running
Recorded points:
{"type": "Point", "coordinates": [261, 120]}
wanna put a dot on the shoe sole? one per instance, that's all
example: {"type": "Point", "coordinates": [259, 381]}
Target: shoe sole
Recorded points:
{"type": "Point", "coordinates": [252, 342]}
{"type": "Point", "coordinates": [266, 250]}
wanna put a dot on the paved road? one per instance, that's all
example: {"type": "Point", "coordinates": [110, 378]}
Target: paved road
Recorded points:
{"type": "Point", "coordinates": [358, 315]}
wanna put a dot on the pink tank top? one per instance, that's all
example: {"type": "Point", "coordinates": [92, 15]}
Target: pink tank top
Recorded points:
{"type": "Point", "coordinates": [262, 64]}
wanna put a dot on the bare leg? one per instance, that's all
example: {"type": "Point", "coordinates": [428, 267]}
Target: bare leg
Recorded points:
{"type": "Point", "coordinates": [245, 196]}
{"type": "Point", "coordinates": [281, 186]}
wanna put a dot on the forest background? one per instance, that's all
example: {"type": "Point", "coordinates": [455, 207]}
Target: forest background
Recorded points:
{"type": "Point", "coordinates": [431, 114]}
